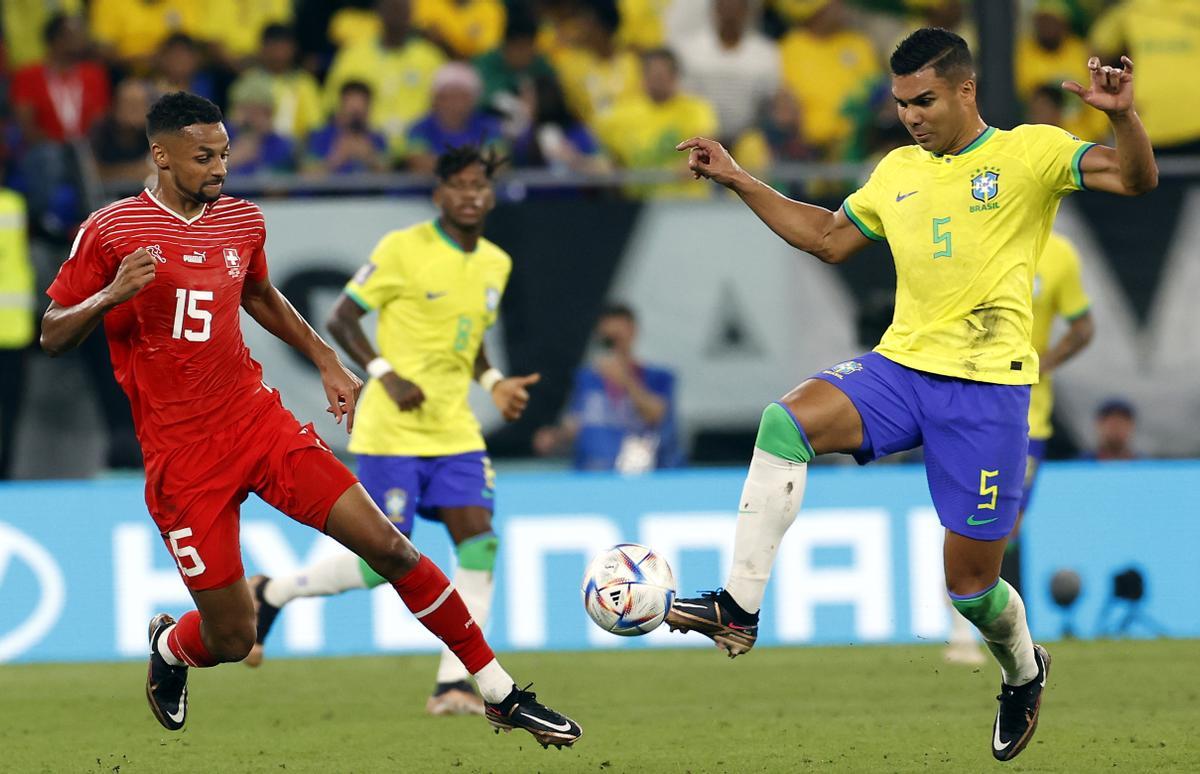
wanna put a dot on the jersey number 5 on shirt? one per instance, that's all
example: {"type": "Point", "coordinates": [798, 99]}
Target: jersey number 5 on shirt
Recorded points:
{"type": "Point", "coordinates": [188, 303]}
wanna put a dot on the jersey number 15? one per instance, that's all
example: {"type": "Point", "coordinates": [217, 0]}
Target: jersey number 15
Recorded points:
{"type": "Point", "coordinates": [187, 303]}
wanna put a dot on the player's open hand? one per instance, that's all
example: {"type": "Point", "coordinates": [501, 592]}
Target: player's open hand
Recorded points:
{"type": "Point", "coordinates": [1110, 89]}
{"type": "Point", "coordinates": [708, 158]}
{"type": "Point", "coordinates": [341, 390]}
{"type": "Point", "coordinates": [407, 395]}
{"type": "Point", "coordinates": [135, 272]}
{"type": "Point", "coordinates": [511, 397]}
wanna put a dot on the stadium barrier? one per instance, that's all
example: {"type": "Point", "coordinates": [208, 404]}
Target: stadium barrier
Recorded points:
{"type": "Point", "coordinates": [82, 567]}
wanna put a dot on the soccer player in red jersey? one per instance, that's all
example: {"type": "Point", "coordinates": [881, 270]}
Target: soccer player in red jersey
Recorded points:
{"type": "Point", "coordinates": [168, 271]}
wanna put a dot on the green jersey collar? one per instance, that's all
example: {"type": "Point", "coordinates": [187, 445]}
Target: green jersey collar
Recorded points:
{"type": "Point", "coordinates": [980, 140]}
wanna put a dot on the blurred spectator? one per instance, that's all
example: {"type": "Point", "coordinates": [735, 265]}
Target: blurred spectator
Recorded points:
{"type": "Point", "coordinates": [454, 120]}
{"type": "Point", "coordinates": [60, 98]}
{"type": "Point", "coordinates": [948, 14]}
{"type": "Point", "coordinates": [464, 28]}
{"type": "Point", "coordinates": [776, 138]}
{"type": "Point", "coordinates": [1049, 54]}
{"type": "Point", "coordinates": [1045, 105]}
{"type": "Point", "coordinates": [130, 32]}
{"type": "Point", "coordinates": [16, 318]}
{"type": "Point", "coordinates": [254, 145]}
{"type": "Point", "coordinates": [621, 413]}
{"type": "Point", "coordinates": [178, 67]}
{"type": "Point", "coordinates": [398, 66]}
{"type": "Point", "coordinates": [641, 132]}
{"type": "Point", "coordinates": [1116, 425]}
{"type": "Point", "coordinates": [297, 97]}
{"type": "Point", "coordinates": [730, 64]}
{"type": "Point", "coordinates": [824, 63]}
{"type": "Point", "coordinates": [23, 22]}
{"type": "Point", "coordinates": [556, 138]}
{"type": "Point", "coordinates": [512, 66]}
{"type": "Point", "coordinates": [594, 73]}
{"type": "Point", "coordinates": [1162, 37]}
{"type": "Point", "coordinates": [237, 26]}
{"type": "Point", "coordinates": [347, 143]}
{"type": "Point", "coordinates": [119, 141]}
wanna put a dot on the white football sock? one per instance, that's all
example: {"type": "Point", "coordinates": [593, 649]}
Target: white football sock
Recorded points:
{"type": "Point", "coordinates": [771, 499]}
{"type": "Point", "coordinates": [330, 576]}
{"type": "Point", "coordinates": [475, 588]}
{"type": "Point", "coordinates": [494, 683]}
{"type": "Point", "coordinates": [961, 630]}
{"type": "Point", "coordinates": [1007, 637]}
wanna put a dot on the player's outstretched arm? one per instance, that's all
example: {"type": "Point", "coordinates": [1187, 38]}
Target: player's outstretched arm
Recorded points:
{"type": "Point", "coordinates": [1128, 169]}
{"type": "Point", "coordinates": [274, 313]}
{"type": "Point", "coordinates": [830, 236]}
{"type": "Point", "coordinates": [65, 327]}
{"type": "Point", "coordinates": [345, 325]}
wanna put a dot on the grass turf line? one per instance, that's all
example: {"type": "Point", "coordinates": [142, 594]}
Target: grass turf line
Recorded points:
{"type": "Point", "coordinates": [1123, 706]}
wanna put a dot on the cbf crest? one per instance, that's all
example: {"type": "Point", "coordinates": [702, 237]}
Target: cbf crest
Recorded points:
{"type": "Point", "coordinates": [842, 370]}
{"type": "Point", "coordinates": [985, 187]}
{"type": "Point", "coordinates": [492, 298]}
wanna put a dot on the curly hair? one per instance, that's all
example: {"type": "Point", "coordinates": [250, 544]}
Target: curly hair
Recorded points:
{"type": "Point", "coordinates": [455, 160]}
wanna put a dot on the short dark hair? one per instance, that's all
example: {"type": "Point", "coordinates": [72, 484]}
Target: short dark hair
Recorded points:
{"type": "Point", "coordinates": [179, 39]}
{"type": "Point", "coordinates": [276, 32]}
{"type": "Point", "coordinates": [454, 160]}
{"type": "Point", "coordinates": [362, 87]}
{"type": "Point", "coordinates": [520, 25]}
{"type": "Point", "coordinates": [1116, 405]}
{"type": "Point", "coordinates": [54, 27]}
{"type": "Point", "coordinates": [617, 309]}
{"type": "Point", "coordinates": [946, 52]}
{"type": "Point", "coordinates": [1052, 92]}
{"type": "Point", "coordinates": [172, 112]}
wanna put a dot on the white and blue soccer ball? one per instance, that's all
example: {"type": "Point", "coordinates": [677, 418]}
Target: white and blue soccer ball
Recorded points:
{"type": "Point", "coordinates": [628, 589]}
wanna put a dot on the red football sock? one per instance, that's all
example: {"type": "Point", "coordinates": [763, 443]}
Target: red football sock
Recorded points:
{"type": "Point", "coordinates": [428, 594]}
{"type": "Point", "coordinates": [185, 642]}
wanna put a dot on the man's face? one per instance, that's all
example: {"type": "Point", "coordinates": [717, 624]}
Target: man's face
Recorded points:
{"type": "Point", "coordinates": [932, 109]}
{"type": "Point", "coordinates": [395, 14]}
{"type": "Point", "coordinates": [661, 79]}
{"type": "Point", "coordinates": [278, 55]}
{"type": "Point", "coordinates": [466, 197]}
{"type": "Point", "coordinates": [130, 105]}
{"type": "Point", "coordinates": [1050, 30]}
{"type": "Point", "coordinates": [1115, 430]}
{"type": "Point", "coordinates": [354, 109]}
{"type": "Point", "coordinates": [179, 62]}
{"type": "Point", "coordinates": [732, 14]}
{"type": "Point", "coordinates": [453, 105]}
{"type": "Point", "coordinates": [196, 157]}
{"type": "Point", "coordinates": [616, 332]}
{"type": "Point", "coordinates": [519, 53]}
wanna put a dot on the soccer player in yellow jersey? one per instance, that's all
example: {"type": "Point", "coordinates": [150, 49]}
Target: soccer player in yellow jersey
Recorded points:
{"type": "Point", "coordinates": [966, 211]}
{"type": "Point", "coordinates": [437, 288]}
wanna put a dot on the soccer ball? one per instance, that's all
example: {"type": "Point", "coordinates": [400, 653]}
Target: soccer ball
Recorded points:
{"type": "Point", "coordinates": [628, 589]}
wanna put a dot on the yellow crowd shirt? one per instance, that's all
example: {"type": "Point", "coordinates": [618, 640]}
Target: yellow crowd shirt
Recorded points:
{"type": "Point", "coordinates": [470, 28]}
{"type": "Point", "coordinates": [1057, 292]}
{"type": "Point", "coordinates": [592, 85]}
{"type": "Point", "coordinates": [434, 302]}
{"type": "Point", "coordinates": [965, 231]}
{"type": "Point", "coordinates": [1035, 66]}
{"type": "Point", "coordinates": [641, 134]}
{"type": "Point", "coordinates": [1162, 37]}
{"type": "Point", "coordinates": [846, 60]}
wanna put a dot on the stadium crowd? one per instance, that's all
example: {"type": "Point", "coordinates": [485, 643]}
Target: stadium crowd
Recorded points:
{"type": "Point", "coordinates": [331, 87]}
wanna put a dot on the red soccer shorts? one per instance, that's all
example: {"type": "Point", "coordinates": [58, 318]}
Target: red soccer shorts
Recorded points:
{"type": "Point", "coordinates": [194, 492]}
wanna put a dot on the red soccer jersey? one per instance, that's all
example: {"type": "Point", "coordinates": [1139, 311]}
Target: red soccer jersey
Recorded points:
{"type": "Point", "coordinates": [177, 346]}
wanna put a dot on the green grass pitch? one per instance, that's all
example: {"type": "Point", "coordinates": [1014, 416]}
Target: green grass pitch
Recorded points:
{"type": "Point", "coordinates": [1110, 706]}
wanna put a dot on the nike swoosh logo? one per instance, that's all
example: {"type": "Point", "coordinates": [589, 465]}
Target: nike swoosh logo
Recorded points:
{"type": "Point", "coordinates": [741, 628]}
{"type": "Point", "coordinates": [688, 604]}
{"type": "Point", "coordinates": [435, 296]}
{"type": "Point", "coordinates": [901, 197]}
{"type": "Point", "coordinates": [979, 523]}
{"type": "Point", "coordinates": [547, 724]}
{"type": "Point", "coordinates": [178, 716]}
{"type": "Point", "coordinates": [997, 745]}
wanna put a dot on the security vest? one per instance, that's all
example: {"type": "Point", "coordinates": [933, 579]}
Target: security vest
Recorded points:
{"type": "Point", "coordinates": [16, 274]}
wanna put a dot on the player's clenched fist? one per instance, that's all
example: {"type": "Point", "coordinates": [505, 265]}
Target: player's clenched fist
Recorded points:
{"type": "Point", "coordinates": [135, 272]}
{"type": "Point", "coordinates": [511, 397]}
{"type": "Point", "coordinates": [708, 158]}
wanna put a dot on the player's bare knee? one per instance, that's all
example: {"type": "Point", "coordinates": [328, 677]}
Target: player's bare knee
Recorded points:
{"type": "Point", "coordinates": [966, 583]}
{"type": "Point", "coordinates": [395, 557]}
{"type": "Point", "coordinates": [233, 642]}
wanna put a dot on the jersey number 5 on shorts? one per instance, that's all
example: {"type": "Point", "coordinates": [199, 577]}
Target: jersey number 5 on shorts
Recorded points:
{"type": "Point", "coordinates": [187, 302]}
{"type": "Point", "coordinates": [185, 552]}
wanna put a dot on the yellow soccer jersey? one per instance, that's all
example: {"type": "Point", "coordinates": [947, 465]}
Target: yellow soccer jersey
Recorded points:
{"type": "Point", "coordinates": [1057, 292]}
{"type": "Point", "coordinates": [434, 302]}
{"type": "Point", "coordinates": [965, 231]}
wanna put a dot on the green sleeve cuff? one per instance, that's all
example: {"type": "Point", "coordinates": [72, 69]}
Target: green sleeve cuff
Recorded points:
{"type": "Point", "coordinates": [362, 302]}
{"type": "Point", "coordinates": [1075, 316]}
{"type": "Point", "coordinates": [1076, 161]}
{"type": "Point", "coordinates": [867, 232]}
